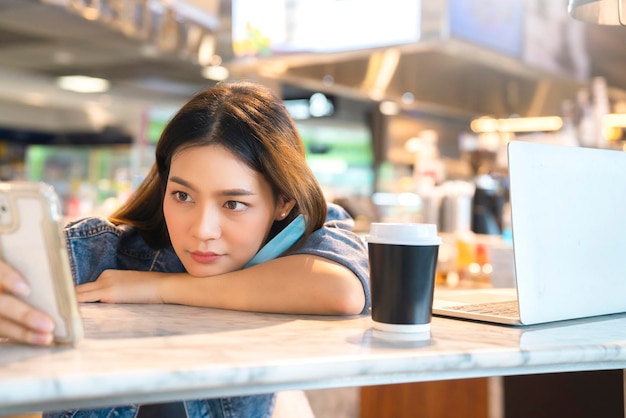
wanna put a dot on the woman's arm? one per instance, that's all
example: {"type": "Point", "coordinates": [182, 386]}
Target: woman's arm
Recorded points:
{"type": "Point", "coordinates": [328, 274]}
{"type": "Point", "coordinates": [299, 284]}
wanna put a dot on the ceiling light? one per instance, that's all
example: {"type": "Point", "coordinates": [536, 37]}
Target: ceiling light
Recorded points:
{"type": "Point", "coordinates": [535, 124]}
{"type": "Point", "coordinates": [215, 72]}
{"type": "Point", "coordinates": [319, 105]}
{"type": "Point", "coordinates": [381, 68]}
{"type": "Point", "coordinates": [408, 97]}
{"type": "Point", "coordinates": [615, 120]}
{"type": "Point", "coordinates": [413, 144]}
{"type": "Point", "coordinates": [604, 12]}
{"type": "Point", "coordinates": [83, 84]}
{"type": "Point", "coordinates": [484, 124]}
{"type": "Point", "coordinates": [206, 50]}
{"type": "Point", "coordinates": [389, 108]}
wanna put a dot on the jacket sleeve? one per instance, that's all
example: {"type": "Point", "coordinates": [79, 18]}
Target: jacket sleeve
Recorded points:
{"type": "Point", "coordinates": [95, 244]}
{"type": "Point", "coordinates": [92, 248]}
{"type": "Point", "coordinates": [336, 241]}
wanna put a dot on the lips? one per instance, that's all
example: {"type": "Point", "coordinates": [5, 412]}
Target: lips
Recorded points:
{"type": "Point", "coordinates": [205, 257]}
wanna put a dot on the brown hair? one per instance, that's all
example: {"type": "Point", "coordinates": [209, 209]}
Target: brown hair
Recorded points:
{"type": "Point", "coordinates": [252, 123]}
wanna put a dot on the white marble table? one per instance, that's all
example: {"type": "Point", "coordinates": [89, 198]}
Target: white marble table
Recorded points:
{"type": "Point", "coordinates": [148, 353]}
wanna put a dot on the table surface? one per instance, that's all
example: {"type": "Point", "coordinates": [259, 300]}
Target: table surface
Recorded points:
{"type": "Point", "coordinates": [148, 353]}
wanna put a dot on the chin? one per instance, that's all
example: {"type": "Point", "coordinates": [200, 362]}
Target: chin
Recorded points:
{"type": "Point", "coordinates": [208, 271]}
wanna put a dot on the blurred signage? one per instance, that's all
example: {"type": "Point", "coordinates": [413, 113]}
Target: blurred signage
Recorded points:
{"type": "Point", "coordinates": [494, 24]}
{"type": "Point", "coordinates": [277, 27]}
{"type": "Point", "coordinates": [183, 27]}
{"type": "Point", "coordinates": [539, 33]}
{"type": "Point", "coordinates": [316, 106]}
{"type": "Point", "coordinates": [553, 41]}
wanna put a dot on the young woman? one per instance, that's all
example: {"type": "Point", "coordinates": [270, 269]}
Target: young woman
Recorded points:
{"type": "Point", "coordinates": [230, 216]}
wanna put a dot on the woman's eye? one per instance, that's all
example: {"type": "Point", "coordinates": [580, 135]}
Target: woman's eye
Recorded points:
{"type": "Point", "coordinates": [182, 196]}
{"type": "Point", "coordinates": [234, 205]}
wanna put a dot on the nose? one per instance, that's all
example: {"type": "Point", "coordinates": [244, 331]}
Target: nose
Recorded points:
{"type": "Point", "coordinates": [206, 225]}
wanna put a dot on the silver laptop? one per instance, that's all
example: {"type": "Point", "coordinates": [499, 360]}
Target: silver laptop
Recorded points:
{"type": "Point", "coordinates": [568, 209]}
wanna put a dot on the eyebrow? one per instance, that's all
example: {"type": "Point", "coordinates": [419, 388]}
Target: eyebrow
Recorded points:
{"type": "Point", "coordinates": [182, 182]}
{"type": "Point", "coordinates": [227, 192]}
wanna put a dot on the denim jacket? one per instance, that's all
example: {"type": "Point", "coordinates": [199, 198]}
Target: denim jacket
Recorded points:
{"type": "Point", "coordinates": [95, 244]}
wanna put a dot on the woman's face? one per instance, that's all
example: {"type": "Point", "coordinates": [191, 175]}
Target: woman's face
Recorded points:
{"type": "Point", "coordinates": [218, 211]}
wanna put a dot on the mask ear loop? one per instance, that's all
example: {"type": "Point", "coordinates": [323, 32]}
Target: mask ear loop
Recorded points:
{"type": "Point", "coordinates": [281, 242]}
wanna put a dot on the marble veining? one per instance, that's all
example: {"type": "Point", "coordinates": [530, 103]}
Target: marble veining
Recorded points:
{"type": "Point", "coordinates": [159, 352]}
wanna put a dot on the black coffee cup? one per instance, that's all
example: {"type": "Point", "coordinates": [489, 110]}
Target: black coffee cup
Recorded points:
{"type": "Point", "coordinates": [403, 263]}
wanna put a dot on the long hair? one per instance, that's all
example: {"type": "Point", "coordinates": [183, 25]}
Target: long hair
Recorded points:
{"type": "Point", "coordinates": [252, 123]}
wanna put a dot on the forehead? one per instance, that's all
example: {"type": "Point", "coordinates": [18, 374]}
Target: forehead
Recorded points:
{"type": "Point", "coordinates": [214, 165]}
{"type": "Point", "coordinates": [212, 151]}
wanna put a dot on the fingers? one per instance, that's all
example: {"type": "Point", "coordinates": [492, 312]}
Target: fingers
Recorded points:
{"type": "Point", "coordinates": [89, 296]}
{"type": "Point", "coordinates": [11, 281]}
{"type": "Point", "coordinates": [19, 321]}
{"type": "Point", "coordinates": [24, 335]}
{"type": "Point", "coordinates": [22, 323]}
{"type": "Point", "coordinates": [88, 292]}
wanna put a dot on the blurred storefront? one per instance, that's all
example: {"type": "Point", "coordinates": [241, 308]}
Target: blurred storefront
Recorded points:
{"type": "Point", "coordinates": [405, 107]}
{"type": "Point", "coordinates": [408, 122]}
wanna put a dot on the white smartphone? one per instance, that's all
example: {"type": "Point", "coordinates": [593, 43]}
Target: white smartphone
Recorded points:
{"type": "Point", "coordinates": [31, 241]}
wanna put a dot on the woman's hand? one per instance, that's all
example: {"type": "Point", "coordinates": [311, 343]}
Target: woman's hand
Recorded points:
{"type": "Point", "coordinates": [122, 286]}
{"type": "Point", "coordinates": [19, 321]}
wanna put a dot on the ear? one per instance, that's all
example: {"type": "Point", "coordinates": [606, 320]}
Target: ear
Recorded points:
{"type": "Point", "coordinates": [283, 208]}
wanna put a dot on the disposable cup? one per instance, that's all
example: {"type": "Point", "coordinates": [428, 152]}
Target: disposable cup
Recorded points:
{"type": "Point", "coordinates": [403, 263]}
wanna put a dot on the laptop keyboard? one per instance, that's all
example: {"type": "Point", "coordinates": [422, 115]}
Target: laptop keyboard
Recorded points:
{"type": "Point", "coordinates": [507, 309]}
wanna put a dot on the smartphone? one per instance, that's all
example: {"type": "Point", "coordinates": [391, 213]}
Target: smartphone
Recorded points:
{"type": "Point", "coordinates": [32, 242]}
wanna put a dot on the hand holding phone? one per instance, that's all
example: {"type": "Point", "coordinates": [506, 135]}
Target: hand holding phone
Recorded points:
{"type": "Point", "coordinates": [31, 245]}
{"type": "Point", "coordinates": [18, 320]}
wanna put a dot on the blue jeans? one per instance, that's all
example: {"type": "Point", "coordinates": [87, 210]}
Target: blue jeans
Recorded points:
{"type": "Point", "coordinates": [256, 406]}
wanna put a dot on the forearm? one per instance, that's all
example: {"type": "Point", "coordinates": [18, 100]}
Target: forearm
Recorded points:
{"type": "Point", "coordinates": [300, 284]}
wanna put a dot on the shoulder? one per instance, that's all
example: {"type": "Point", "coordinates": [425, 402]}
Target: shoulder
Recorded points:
{"type": "Point", "coordinates": [338, 217]}
{"type": "Point", "coordinates": [87, 227]}
{"type": "Point", "coordinates": [98, 231]}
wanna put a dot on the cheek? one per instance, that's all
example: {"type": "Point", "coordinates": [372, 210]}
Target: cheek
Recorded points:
{"type": "Point", "coordinates": [172, 222]}
{"type": "Point", "coordinates": [246, 237]}
{"type": "Point", "coordinates": [246, 234]}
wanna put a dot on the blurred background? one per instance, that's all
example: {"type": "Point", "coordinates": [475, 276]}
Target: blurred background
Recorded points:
{"type": "Point", "coordinates": [405, 107]}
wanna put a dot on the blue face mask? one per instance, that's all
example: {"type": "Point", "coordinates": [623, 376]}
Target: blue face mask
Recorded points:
{"type": "Point", "coordinates": [281, 242]}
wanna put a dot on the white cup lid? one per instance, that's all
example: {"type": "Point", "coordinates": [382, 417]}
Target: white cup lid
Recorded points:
{"type": "Point", "coordinates": [403, 234]}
